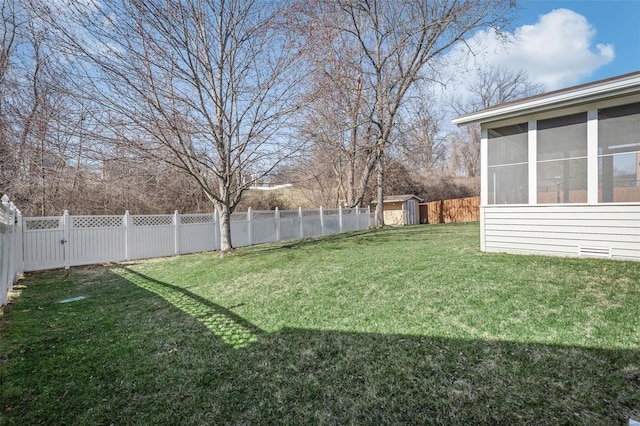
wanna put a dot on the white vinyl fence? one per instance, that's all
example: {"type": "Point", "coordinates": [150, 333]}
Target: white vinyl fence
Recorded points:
{"type": "Point", "coordinates": [64, 241]}
{"type": "Point", "coordinates": [11, 265]}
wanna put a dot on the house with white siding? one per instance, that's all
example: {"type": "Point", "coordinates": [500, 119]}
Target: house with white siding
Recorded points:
{"type": "Point", "coordinates": [561, 171]}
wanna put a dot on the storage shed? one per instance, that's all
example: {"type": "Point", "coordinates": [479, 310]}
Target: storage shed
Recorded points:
{"type": "Point", "coordinates": [401, 209]}
{"type": "Point", "coordinates": [560, 172]}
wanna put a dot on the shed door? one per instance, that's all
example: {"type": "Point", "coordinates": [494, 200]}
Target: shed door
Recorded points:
{"type": "Point", "coordinates": [411, 212]}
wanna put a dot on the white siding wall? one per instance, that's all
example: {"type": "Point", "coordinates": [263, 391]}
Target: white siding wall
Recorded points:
{"type": "Point", "coordinates": [590, 229]}
{"type": "Point", "coordinates": [563, 230]}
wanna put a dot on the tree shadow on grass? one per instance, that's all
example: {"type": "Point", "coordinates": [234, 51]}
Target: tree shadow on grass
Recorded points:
{"type": "Point", "coordinates": [360, 378]}
{"type": "Point", "coordinates": [158, 364]}
{"type": "Point", "coordinates": [298, 375]}
{"type": "Point", "coordinates": [223, 323]}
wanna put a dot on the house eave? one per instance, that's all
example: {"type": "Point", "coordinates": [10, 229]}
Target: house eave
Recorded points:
{"type": "Point", "coordinates": [591, 92]}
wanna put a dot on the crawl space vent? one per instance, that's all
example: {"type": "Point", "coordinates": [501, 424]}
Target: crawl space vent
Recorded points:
{"type": "Point", "coordinates": [594, 251]}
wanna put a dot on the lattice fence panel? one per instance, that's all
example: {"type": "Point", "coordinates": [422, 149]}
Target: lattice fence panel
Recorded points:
{"type": "Point", "coordinates": [238, 216]}
{"type": "Point", "coordinates": [264, 215]}
{"type": "Point", "coordinates": [190, 219]}
{"type": "Point", "coordinates": [96, 221]}
{"type": "Point", "coordinates": [289, 214]}
{"type": "Point", "coordinates": [331, 212]}
{"type": "Point", "coordinates": [307, 213]}
{"type": "Point", "coordinates": [158, 220]}
{"type": "Point", "coordinates": [33, 224]}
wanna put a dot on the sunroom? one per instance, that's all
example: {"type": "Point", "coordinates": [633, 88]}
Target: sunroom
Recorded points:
{"type": "Point", "coordinates": [561, 172]}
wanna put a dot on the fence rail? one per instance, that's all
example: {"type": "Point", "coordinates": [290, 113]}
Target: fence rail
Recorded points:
{"type": "Point", "coordinates": [64, 241]}
{"type": "Point", "coordinates": [11, 265]}
{"type": "Point", "coordinates": [446, 211]}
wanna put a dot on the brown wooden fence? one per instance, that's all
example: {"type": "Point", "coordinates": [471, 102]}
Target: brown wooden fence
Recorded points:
{"type": "Point", "coordinates": [446, 211]}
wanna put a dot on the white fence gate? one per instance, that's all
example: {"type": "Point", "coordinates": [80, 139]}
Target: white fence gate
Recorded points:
{"type": "Point", "coordinates": [64, 241]}
{"type": "Point", "coordinates": [11, 265]}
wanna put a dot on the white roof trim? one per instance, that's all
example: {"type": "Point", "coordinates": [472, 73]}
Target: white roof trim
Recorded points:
{"type": "Point", "coordinates": [599, 90]}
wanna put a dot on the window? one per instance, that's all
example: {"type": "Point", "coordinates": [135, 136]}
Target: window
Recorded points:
{"type": "Point", "coordinates": [619, 154]}
{"type": "Point", "coordinates": [508, 164]}
{"type": "Point", "coordinates": [562, 159]}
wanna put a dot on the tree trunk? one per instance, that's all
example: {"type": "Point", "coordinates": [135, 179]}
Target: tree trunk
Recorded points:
{"type": "Point", "coordinates": [364, 180]}
{"type": "Point", "coordinates": [224, 214]}
{"type": "Point", "coordinates": [379, 216]}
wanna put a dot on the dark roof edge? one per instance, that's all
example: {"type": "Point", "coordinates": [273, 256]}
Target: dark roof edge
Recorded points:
{"type": "Point", "coordinates": [553, 98]}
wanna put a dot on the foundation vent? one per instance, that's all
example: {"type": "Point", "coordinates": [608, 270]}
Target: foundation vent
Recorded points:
{"type": "Point", "coordinates": [595, 251]}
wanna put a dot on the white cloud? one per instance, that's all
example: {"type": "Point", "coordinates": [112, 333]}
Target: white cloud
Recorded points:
{"type": "Point", "coordinates": [556, 51]}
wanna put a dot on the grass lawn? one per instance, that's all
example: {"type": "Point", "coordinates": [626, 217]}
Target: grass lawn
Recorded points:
{"type": "Point", "coordinates": [396, 326]}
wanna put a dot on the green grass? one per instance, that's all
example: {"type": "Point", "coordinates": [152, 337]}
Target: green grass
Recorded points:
{"type": "Point", "coordinates": [395, 326]}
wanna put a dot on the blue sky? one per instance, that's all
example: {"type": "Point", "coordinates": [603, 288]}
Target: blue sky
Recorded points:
{"type": "Point", "coordinates": [558, 44]}
{"type": "Point", "coordinates": [615, 22]}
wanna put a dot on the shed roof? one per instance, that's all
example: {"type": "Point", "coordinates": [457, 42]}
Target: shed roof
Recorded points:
{"type": "Point", "coordinates": [595, 91]}
{"type": "Point", "coordinates": [399, 198]}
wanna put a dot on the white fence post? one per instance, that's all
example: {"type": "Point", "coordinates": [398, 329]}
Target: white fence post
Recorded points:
{"type": "Point", "coordinates": [276, 215]}
{"type": "Point", "coordinates": [300, 217]}
{"type": "Point", "coordinates": [321, 221]}
{"type": "Point", "coordinates": [5, 283]}
{"type": "Point", "coordinates": [176, 233]}
{"type": "Point", "coordinates": [12, 244]}
{"type": "Point", "coordinates": [66, 226]}
{"type": "Point", "coordinates": [11, 254]}
{"type": "Point", "coordinates": [340, 218]}
{"type": "Point", "coordinates": [19, 245]}
{"type": "Point", "coordinates": [249, 226]}
{"type": "Point", "coordinates": [127, 236]}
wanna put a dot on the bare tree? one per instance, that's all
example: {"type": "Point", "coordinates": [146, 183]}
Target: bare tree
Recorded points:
{"type": "Point", "coordinates": [8, 30]}
{"type": "Point", "coordinates": [45, 119]}
{"type": "Point", "coordinates": [205, 86]}
{"type": "Point", "coordinates": [465, 151]}
{"type": "Point", "coordinates": [130, 183]}
{"type": "Point", "coordinates": [397, 39]}
{"type": "Point", "coordinates": [493, 85]}
{"type": "Point", "coordinates": [37, 114]}
{"type": "Point", "coordinates": [422, 144]}
{"type": "Point", "coordinates": [336, 125]}
{"type": "Point", "coordinates": [336, 118]}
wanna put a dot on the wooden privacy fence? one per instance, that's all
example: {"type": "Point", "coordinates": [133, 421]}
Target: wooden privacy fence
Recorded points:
{"type": "Point", "coordinates": [64, 241]}
{"type": "Point", "coordinates": [11, 265]}
{"type": "Point", "coordinates": [446, 211]}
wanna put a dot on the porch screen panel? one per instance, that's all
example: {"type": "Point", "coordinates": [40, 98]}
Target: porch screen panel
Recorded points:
{"type": "Point", "coordinates": [507, 156]}
{"type": "Point", "coordinates": [619, 154]}
{"type": "Point", "coordinates": [562, 159]}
